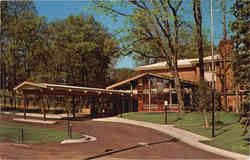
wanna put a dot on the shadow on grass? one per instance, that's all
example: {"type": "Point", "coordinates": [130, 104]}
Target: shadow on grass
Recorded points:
{"type": "Point", "coordinates": [247, 140]}
{"type": "Point", "coordinates": [222, 132]}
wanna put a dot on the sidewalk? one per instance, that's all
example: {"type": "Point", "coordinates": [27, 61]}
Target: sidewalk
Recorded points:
{"type": "Point", "coordinates": [38, 115]}
{"type": "Point", "coordinates": [183, 135]}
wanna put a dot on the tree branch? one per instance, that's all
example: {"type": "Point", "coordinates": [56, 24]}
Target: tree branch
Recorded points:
{"type": "Point", "coordinates": [98, 4]}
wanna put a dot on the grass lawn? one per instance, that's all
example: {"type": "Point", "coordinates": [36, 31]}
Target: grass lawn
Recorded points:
{"type": "Point", "coordinates": [32, 135]}
{"type": "Point", "coordinates": [227, 133]}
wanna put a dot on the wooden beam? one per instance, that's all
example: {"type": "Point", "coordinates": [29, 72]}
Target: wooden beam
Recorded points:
{"type": "Point", "coordinates": [149, 95]}
{"type": "Point", "coordinates": [170, 94]}
{"type": "Point", "coordinates": [44, 108]}
{"type": "Point", "coordinates": [131, 97]}
{"type": "Point", "coordinates": [24, 105]}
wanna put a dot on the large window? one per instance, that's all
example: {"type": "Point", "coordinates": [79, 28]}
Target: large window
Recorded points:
{"type": "Point", "coordinates": [156, 98]}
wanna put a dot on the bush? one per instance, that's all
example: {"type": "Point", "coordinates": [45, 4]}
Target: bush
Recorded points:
{"type": "Point", "coordinates": [246, 106]}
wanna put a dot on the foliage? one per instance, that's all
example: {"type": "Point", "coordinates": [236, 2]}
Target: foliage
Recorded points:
{"type": "Point", "coordinates": [240, 27]}
{"type": "Point", "coordinates": [203, 100]}
{"type": "Point", "coordinates": [203, 95]}
{"type": "Point", "coordinates": [187, 47]}
{"type": "Point", "coordinates": [156, 24]}
{"type": "Point", "coordinates": [85, 51]}
{"type": "Point", "coordinates": [12, 15]}
{"type": "Point", "coordinates": [121, 74]}
{"type": "Point", "coordinates": [77, 50]}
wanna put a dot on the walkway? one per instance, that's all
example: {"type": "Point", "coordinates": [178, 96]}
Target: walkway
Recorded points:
{"type": "Point", "coordinates": [185, 136]}
{"type": "Point", "coordinates": [38, 115]}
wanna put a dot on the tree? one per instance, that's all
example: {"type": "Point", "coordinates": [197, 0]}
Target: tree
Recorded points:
{"type": "Point", "coordinates": [198, 22]}
{"type": "Point", "coordinates": [223, 6]}
{"type": "Point", "coordinates": [202, 85]}
{"type": "Point", "coordinates": [82, 51]}
{"type": "Point", "coordinates": [121, 74]}
{"type": "Point", "coordinates": [12, 12]}
{"type": "Point", "coordinates": [241, 59]}
{"type": "Point", "coordinates": [154, 23]}
{"type": "Point", "coordinates": [77, 50]}
{"type": "Point", "coordinates": [241, 40]}
{"type": "Point", "coordinates": [147, 54]}
{"type": "Point", "coordinates": [203, 100]}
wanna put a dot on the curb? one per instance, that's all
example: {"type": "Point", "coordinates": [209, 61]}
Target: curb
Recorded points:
{"type": "Point", "coordinates": [193, 141]}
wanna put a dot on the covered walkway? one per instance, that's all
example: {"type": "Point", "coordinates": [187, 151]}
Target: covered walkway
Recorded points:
{"type": "Point", "coordinates": [115, 99]}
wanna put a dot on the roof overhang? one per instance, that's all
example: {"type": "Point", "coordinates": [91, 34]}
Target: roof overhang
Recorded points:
{"type": "Point", "coordinates": [56, 89]}
{"type": "Point", "coordinates": [184, 63]}
{"type": "Point", "coordinates": [147, 74]}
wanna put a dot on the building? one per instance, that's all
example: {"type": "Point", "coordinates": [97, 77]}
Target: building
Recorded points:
{"type": "Point", "coordinates": [150, 78]}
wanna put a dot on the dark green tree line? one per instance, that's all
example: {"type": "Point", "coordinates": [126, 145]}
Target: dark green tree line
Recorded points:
{"type": "Point", "coordinates": [77, 50]}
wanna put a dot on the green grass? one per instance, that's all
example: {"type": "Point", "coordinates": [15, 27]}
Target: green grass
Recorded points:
{"type": "Point", "coordinates": [227, 133]}
{"type": "Point", "coordinates": [32, 135]}
{"type": "Point", "coordinates": [230, 139]}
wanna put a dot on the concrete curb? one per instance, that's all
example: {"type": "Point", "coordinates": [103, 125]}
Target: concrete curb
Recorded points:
{"type": "Point", "coordinates": [34, 121]}
{"type": "Point", "coordinates": [183, 135]}
{"type": "Point", "coordinates": [85, 138]}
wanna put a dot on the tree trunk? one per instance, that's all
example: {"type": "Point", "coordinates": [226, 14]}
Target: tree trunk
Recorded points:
{"type": "Point", "coordinates": [237, 99]}
{"type": "Point", "coordinates": [224, 10]}
{"type": "Point", "coordinates": [206, 118]}
{"type": "Point", "coordinates": [73, 107]}
{"type": "Point", "coordinates": [178, 90]}
{"type": "Point", "coordinates": [198, 22]}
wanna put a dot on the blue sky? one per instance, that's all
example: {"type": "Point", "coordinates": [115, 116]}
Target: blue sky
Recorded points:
{"type": "Point", "coordinates": [61, 9]}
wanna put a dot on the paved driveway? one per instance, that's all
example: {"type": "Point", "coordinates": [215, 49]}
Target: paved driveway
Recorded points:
{"type": "Point", "coordinates": [110, 137]}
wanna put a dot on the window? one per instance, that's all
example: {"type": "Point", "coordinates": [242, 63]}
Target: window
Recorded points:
{"type": "Point", "coordinates": [207, 67]}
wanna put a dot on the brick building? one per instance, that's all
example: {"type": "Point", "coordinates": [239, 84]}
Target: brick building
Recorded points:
{"type": "Point", "coordinates": [145, 86]}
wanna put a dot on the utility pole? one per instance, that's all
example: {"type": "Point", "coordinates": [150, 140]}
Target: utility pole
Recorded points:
{"type": "Point", "coordinates": [213, 67]}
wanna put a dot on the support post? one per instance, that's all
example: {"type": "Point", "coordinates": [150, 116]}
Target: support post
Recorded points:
{"type": "Point", "coordinates": [73, 107]}
{"type": "Point", "coordinates": [24, 105]}
{"type": "Point", "coordinates": [237, 99]}
{"type": "Point", "coordinates": [44, 108]}
{"type": "Point", "coordinates": [241, 103]}
{"type": "Point", "coordinates": [166, 113]}
{"type": "Point", "coordinates": [213, 112]}
{"type": "Point", "coordinates": [149, 95]}
{"type": "Point", "coordinates": [121, 106]}
{"type": "Point", "coordinates": [131, 97]}
{"type": "Point", "coordinates": [191, 98]}
{"type": "Point", "coordinates": [170, 94]}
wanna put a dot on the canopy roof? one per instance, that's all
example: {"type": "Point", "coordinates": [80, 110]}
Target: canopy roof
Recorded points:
{"type": "Point", "coordinates": [56, 89]}
{"type": "Point", "coordinates": [185, 82]}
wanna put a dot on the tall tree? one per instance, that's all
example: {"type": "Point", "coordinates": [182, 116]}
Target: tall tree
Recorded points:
{"type": "Point", "coordinates": [11, 12]}
{"type": "Point", "coordinates": [83, 51]}
{"type": "Point", "coordinates": [153, 23]}
{"type": "Point", "coordinates": [241, 59]}
{"type": "Point", "coordinates": [199, 38]}
{"type": "Point", "coordinates": [198, 22]}
{"type": "Point", "coordinates": [147, 54]}
{"type": "Point", "coordinates": [223, 6]}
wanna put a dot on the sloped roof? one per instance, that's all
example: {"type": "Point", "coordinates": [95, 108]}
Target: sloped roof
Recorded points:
{"type": "Point", "coordinates": [182, 63]}
{"type": "Point", "coordinates": [33, 85]}
{"type": "Point", "coordinates": [146, 74]}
